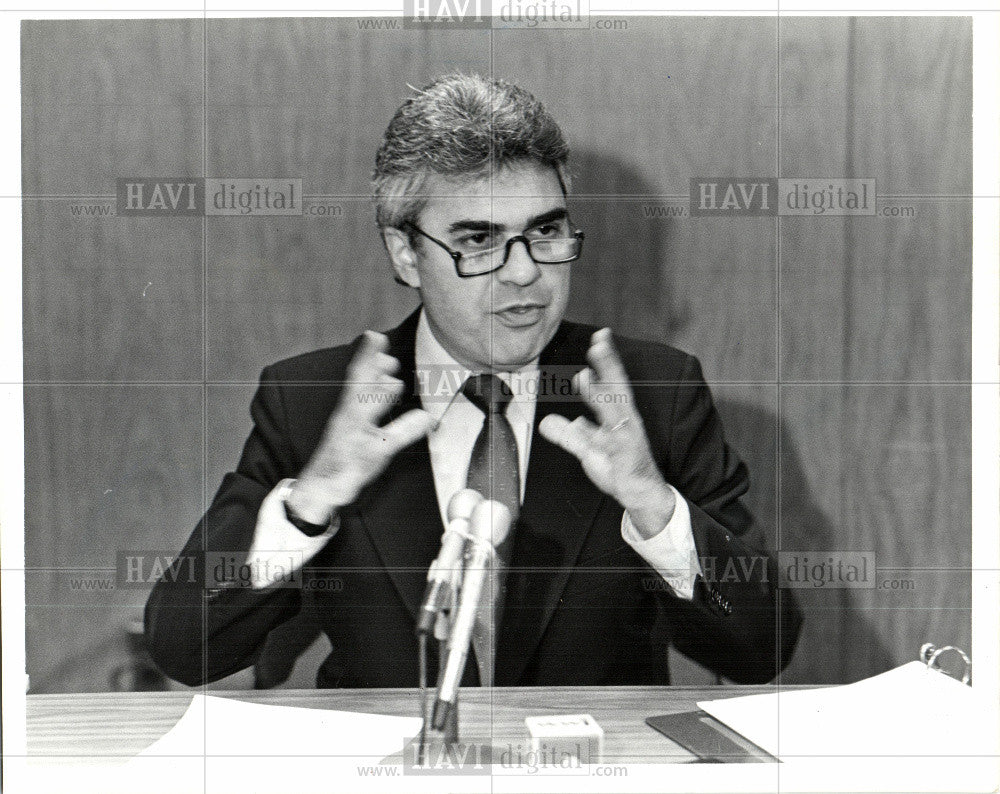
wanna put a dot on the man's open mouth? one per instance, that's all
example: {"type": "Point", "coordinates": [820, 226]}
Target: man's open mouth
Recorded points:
{"type": "Point", "coordinates": [521, 314]}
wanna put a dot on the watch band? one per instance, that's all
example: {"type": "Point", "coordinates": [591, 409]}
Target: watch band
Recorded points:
{"type": "Point", "coordinates": [303, 526]}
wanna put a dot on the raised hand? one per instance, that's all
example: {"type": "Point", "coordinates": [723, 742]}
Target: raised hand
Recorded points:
{"type": "Point", "coordinates": [354, 449]}
{"type": "Point", "coordinates": [615, 453]}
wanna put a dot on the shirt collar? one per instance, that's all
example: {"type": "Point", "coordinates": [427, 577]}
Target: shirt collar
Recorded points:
{"type": "Point", "coordinates": [439, 375]}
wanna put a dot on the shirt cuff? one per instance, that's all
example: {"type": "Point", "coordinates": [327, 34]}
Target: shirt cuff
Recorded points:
{"type": "Point", "coordinates": [671, 552]}
{"type": "Point", "coordinates": [279, 549]}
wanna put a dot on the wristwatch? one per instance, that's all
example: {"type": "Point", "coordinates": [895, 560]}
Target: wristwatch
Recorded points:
{"type": "Point", "coordinates": [303, 526]}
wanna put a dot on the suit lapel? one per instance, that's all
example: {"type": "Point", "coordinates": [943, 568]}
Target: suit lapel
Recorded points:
{"type": "Point", "coordinates": [400, 508]}
{"type": "Point", "coordinates": [559, 508]}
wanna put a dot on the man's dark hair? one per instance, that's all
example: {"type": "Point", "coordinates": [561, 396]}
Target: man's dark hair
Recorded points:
{"type": "Point", "coordinates": [460, 126]}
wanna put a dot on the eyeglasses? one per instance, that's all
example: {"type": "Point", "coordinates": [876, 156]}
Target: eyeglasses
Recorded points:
{"type": "Point", "coordinates": [542, 250]}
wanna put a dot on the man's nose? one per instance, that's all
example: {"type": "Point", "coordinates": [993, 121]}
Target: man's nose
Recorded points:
{"type": "Point", "coordinates": [519, 268]}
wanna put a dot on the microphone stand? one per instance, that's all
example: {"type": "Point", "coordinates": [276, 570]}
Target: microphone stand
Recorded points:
{"type": "Point", "coordinates": [431, 737]}
{"type": "Point", "coordinates": [438, 610]}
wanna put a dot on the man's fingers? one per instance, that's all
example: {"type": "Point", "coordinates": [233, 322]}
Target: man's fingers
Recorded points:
{"type": "Point", "coordinates": [386, 364]}
{"type": "Point", "coordinates": [372, 343]}
{"type": "Point", "coordinates": [554, 428]}
{"type": "Point", "coordinates": [375, 399]}
{"type": "Point", "coordinates": [404, 430]}
{"type": "Point", "coordinates": [369, 388]}
{"type": "Point", "coordinates": [603, 357]}
{"type": "Point", "coordinates": [575, 437]}
{"type": "Point", "coordinates": [610, 394]}
{"type": "Point", "coordinates": [607, 401]}
{"type": "Point", "coordinates": [363, 366]}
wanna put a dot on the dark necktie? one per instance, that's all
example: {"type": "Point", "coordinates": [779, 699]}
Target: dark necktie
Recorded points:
{"type": "Point", "coordinates": [494, 471]}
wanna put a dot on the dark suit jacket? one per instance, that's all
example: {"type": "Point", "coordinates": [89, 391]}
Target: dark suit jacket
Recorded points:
{"type": "Point", "coordinates": [583, 608]}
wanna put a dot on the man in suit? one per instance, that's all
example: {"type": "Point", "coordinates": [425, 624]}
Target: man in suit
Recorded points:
{"type": "Point", "coordinates": [630, 534]}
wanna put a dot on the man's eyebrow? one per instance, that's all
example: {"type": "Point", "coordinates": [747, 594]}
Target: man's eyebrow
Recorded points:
{"type": "Point", "coordinates": [472, 225]}
{"type": "Point", "coordinates": [557, 214]}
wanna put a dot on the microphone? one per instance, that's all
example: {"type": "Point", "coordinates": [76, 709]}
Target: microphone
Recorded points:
{"type": "Point", "coordinates": [441, 575]}
{"type": "Point", "coordinates": [490, 525]}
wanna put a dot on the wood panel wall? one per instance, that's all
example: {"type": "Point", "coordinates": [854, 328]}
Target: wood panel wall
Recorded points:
{"type": "Point", "coordinates": [838, 348]}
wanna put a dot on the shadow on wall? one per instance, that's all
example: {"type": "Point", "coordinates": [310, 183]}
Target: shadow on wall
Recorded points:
{"type": "Point", "coordinates": [829, 615]}
{"type": "Point", "coordinates": [623, 279]}
{"type": "Point", "coordinates": [630, 280]}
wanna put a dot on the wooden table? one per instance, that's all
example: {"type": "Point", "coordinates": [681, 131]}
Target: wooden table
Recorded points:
{"type": "Point", "coordinates": [116, 725]}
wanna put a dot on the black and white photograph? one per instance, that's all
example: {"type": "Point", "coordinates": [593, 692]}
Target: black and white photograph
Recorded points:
{"type": "Point", "coordinates": [513, 396]}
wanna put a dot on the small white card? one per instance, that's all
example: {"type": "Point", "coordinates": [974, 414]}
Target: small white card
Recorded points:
{"type": "Point", "coordinates": [567, 734]}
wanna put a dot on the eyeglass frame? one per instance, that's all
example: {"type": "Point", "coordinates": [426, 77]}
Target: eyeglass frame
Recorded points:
{"type": "Point", "coordinates": [456, 256]}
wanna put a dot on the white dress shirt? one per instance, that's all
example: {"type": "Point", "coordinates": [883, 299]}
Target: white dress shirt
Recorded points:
{"type": "Point", "coordinates": [671, 552]}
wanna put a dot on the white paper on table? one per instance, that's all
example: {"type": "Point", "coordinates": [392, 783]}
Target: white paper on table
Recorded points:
{"type": "Point", "coordinates": [909, 711]}
{"type": "Point", "coordinates": [224, 746]}
{"type": "Point", "coordinates": [216, 726]}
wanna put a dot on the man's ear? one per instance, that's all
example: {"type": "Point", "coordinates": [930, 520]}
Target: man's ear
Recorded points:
{"type": "Point", "coordinates": [402, 255]}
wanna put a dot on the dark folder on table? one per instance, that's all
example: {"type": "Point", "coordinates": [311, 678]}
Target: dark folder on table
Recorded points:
{"type": "Point", "coordinates": [710, 740]}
